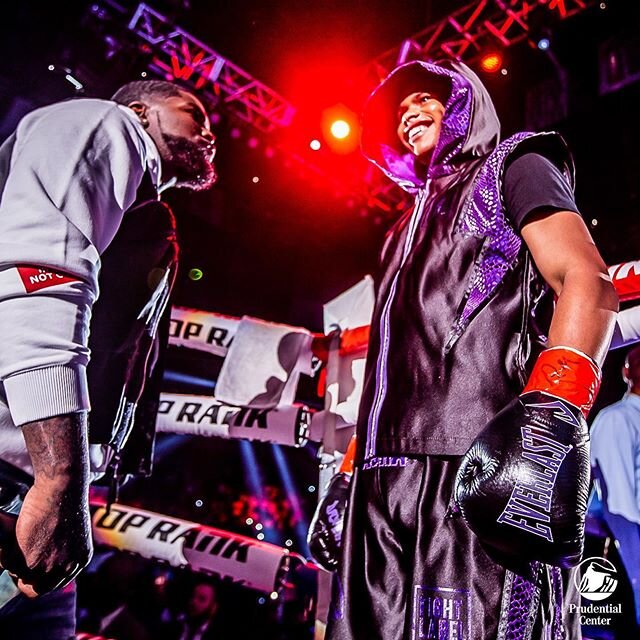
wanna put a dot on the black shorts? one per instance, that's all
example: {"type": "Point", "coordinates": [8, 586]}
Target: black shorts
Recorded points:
{"type": "Point", "coordinates": [412, 569]}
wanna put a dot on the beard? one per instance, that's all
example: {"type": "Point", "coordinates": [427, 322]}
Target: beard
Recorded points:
{"type": "Point", "coordinates": [190, 163]}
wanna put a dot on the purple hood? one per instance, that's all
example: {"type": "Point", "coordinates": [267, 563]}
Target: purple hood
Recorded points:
{"type": "Point", "coordinates": [470, 129]}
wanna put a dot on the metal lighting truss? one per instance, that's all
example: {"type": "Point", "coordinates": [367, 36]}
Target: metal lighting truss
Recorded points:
{"type": "Point", "coordinates": [463, 34]}
{"type": "Point", "coordinates": [467, 32]}
{"type": "Point", "coordinates": [172, 53]}
{"type": "Point", "coordinates": [177, 54]}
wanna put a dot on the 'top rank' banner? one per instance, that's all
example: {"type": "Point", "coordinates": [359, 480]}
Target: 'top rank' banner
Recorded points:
{"type": "Point", "coordinates": [255, 564]}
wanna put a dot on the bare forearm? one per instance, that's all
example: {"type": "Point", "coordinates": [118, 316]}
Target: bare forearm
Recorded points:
{"type": "Point", "coordinates": [58, 448]}
{"type": "Point", "coordinates": [585, 312]}
{"type": "Point", "coordinates": [569, 261]}
{"type": "Point", "coordinates": [53, 530]}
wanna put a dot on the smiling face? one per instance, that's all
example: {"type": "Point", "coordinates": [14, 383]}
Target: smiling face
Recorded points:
{"type": "Point", "coordinates": [420, 117]}
{"type": "Point", "coordinates": [179, 126]}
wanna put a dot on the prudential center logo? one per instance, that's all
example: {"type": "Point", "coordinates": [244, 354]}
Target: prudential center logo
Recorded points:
{"type": "Point", "coordinates": [596, 578]}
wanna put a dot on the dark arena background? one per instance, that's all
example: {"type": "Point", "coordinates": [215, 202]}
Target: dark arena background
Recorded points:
{"type": "Point", "coordinates": [297, 217]}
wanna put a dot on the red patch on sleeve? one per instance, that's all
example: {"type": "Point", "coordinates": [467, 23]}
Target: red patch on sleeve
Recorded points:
{"type": "Point", "coordinates": [36, 278]}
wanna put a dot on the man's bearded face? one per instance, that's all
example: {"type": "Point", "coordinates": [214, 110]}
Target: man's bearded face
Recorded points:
{"type": "Point", "coordinates": [191, 163]}
{"type": "Point", "coordinates": [179, 126]}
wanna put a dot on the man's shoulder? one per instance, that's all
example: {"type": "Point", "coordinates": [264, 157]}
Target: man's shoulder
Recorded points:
{"type": "Point", "coordinates": [611, 416]}
{"type": "Point", "coordinates": [79, 114]}
{"type": "Point", "coordinates": [612, 409]}
{"type": "Point", "coordinates": [71, 125]}
{"type": "Point", "coordinates": [87, 106]}
{"type": "Point", "coordinates": [547, 148]}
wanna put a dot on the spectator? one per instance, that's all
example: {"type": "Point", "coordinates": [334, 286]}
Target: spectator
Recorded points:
{"type": "Point", "coordinates": [615, 458]}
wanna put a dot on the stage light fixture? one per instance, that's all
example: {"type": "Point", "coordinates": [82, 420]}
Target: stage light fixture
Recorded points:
{"type": "Point", "coordinates": [315, 145]}
{"type": "Point", "coordinates": [491, 61]}
{"type": "Point", "coordinates": [544, 44]}
{"type": "Point", "coordinates": [340, 129]}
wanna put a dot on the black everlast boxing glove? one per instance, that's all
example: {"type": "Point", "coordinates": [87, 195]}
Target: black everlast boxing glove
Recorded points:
{"type": "Point", "coordinates": [325, 531]}
{"type": "Point", "coordinates": [523, 486]}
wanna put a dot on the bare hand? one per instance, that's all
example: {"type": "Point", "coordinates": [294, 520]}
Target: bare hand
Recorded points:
{"type": "Point", "coordinates": [53, 536]}
{"type": "Point", "coordinates": [53, 532]}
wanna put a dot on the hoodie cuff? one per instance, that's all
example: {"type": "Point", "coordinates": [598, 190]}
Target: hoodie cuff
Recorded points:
{"type": "Point", "coordinates": [44, 393]}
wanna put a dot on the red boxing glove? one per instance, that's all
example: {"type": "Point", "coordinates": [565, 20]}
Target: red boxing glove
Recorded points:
{"type": "Point", "coordinates": [568, 374]}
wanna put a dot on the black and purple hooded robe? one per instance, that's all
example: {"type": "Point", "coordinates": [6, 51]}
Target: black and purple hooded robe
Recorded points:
{"type": "Point", "coordinates": [461, 311]}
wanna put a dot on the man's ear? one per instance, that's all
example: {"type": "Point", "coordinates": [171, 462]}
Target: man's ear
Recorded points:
{"type": "Point", "coordinates": [625, 373]}
{"type": "Point", "coordinates": [140, 109]}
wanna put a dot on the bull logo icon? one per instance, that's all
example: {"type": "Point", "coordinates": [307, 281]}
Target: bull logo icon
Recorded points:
{"type": "Point", "coordinates": [596, 578]}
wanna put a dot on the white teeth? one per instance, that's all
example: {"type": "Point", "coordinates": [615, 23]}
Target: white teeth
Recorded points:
{"type": "Point", "coordinates": [417, 131]}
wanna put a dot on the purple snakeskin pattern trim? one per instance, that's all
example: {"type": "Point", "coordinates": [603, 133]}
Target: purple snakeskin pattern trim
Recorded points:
{"type": "Point", "coordinates": [556, 582]}
{"type": "Point", "coordinates": [455, 126]}
{"type": "Point", "coordinates": [521, 607]}
{"type": "Point", "coordinates": [484, 216]}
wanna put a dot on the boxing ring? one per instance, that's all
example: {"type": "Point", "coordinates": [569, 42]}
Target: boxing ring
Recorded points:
{"type": "Point", "coordinates": [258, 402]}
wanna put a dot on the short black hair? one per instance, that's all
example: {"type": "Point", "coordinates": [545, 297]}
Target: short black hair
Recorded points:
{"type": "Point", "coordinates": [144, 90]}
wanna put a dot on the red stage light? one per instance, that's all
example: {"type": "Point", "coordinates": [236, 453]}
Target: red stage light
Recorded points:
{"type": "Point", "coordinates": [315, 145]}
{"type": "Point", "coordinates": [491, 62]}
{"type": "Point", "coordinates": [340, 129]}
